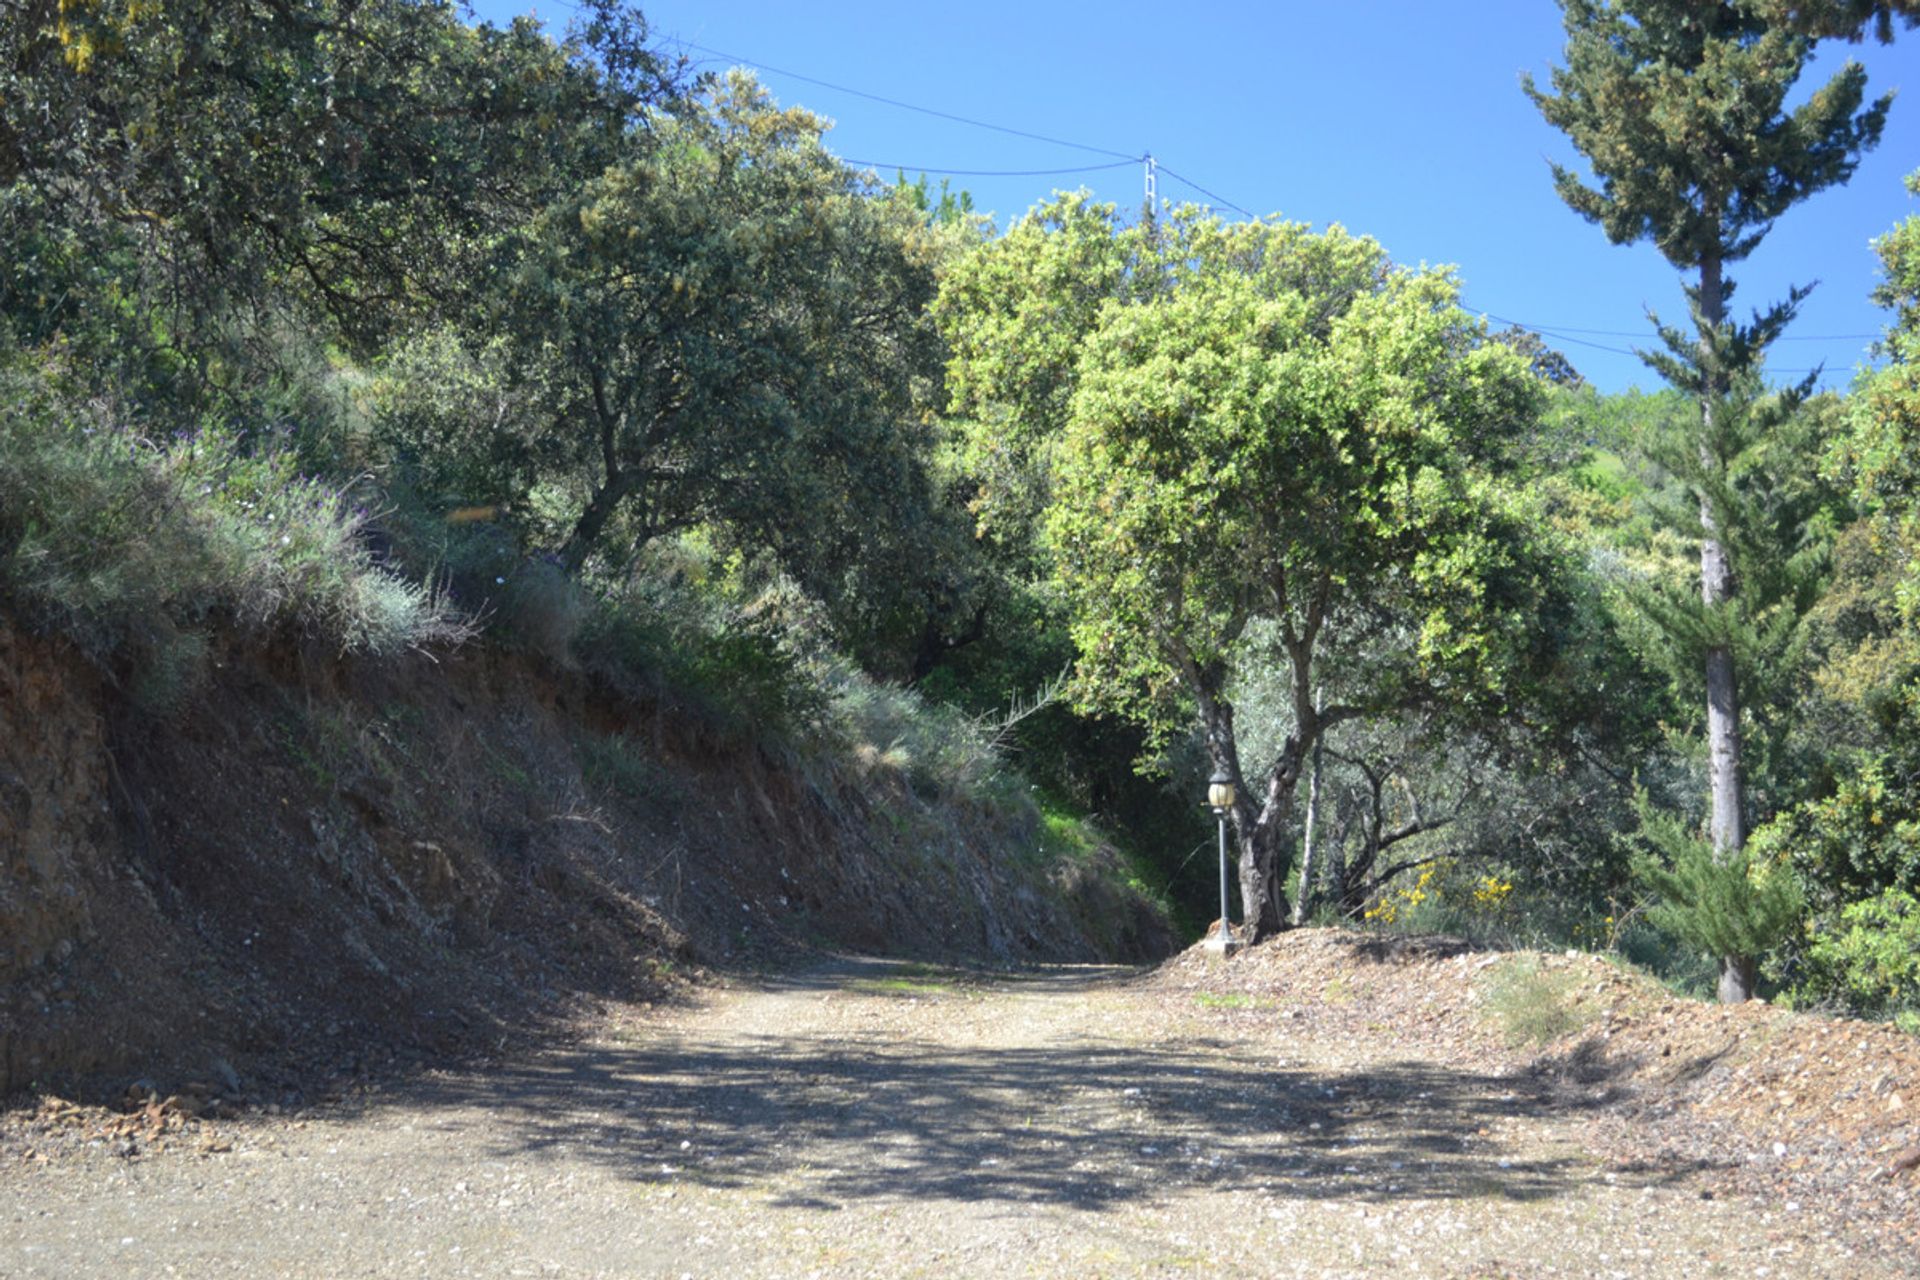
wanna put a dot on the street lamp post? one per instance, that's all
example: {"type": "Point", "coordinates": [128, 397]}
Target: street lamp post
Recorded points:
{"type": "Point", "coordinates": [1220, 796]}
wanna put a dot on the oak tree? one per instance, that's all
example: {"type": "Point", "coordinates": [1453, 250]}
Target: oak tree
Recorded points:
{"type": "Point", "coordinates": [1256, 424]}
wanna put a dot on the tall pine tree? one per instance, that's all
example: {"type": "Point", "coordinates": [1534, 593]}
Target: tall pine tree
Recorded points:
{"type": "Point", "coordinates": [1679, 107]}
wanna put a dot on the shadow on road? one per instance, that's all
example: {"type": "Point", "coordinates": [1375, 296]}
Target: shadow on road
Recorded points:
{"type": "Point", "coordinates": [1092, 1122]}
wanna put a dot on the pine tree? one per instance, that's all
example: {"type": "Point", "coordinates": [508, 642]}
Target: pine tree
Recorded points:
{"type": "Point", "coordinates": [1679, 108]}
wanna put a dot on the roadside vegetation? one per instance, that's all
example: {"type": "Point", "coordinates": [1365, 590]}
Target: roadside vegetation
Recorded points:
{"type": "Point", "coordinates": [358, 327]}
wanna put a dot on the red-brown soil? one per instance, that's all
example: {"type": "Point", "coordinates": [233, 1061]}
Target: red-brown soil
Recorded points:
{"type": "Point", "coordinates": [307, 868]}
{"type": "Point", "coordinates": [1796, 1108]}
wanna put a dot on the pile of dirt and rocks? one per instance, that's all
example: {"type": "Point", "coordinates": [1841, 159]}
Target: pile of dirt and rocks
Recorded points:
{"type": "Point", "coordinates": [1792, 1106]}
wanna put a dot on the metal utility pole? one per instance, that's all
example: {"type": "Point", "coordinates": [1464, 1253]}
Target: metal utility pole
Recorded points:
{"type": "Point", "coordinates": [1220, 794]}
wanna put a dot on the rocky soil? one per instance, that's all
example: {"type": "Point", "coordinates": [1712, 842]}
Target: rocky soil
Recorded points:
{"type": "Point", "coordinates": [1325, 1105]}
{"type": "Point", "coordinates": [307, 861]}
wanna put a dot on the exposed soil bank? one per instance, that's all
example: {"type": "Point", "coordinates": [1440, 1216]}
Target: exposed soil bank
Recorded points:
{"type": "Point", "coordinates": [304, 863]}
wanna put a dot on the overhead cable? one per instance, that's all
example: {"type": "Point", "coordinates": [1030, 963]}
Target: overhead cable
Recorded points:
{"type": "Point", "coordinates": [1220, 200]}
{"type": "Point", "coordinates": [1561, 335]}
{"type": "Point", "coordinates": [908, 106]}
{"type": "Point", "coordinates": [1120, 157]}
{"type": "Point", "coordinates": [1640, 333]}
{"type": "Point", "coordinates": [985, 173]}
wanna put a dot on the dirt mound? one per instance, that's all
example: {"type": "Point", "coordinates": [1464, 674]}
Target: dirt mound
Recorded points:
{"type": "Point", "coordinates": [1795, 1107]}
{"type": "Point", "coordinates": [308, 866]}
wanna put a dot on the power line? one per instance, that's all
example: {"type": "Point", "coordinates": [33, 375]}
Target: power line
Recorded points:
{"type": "Point", "coordinates": [1560, 336]}
{"type": "Point", "coordinates": [1564, 335]}
{"type": "Point", "coordinates": [908, 106]}
{"type": "Point", "coordinates": [986, 173]}
{"type": "Point", "coordinates": [1641, 333]}
{"type": "Point", "coordinates": [1121, 157]}
{"type": "Point", "coordinates": [1559, 333]}
{"type": "Point", "coordinates": [1221, 200]}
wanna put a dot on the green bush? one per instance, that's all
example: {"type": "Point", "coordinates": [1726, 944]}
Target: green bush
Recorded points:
{"type": "Point", "coordinates": [1738, 904]}
{"type": "Point", "coordinates": [697, 648]}
{"type": "Point", "coordinates": [940, 749]}
{"type": "Point", "coordinates": [125, 543]}
{"type": "Point", "coordinates": [1862, 838]}
{"type": "Point", "coordinates": [1683, 969]}
{"type": "Point", "coordinates": [541, 606]}
{"type": "Point", "coordinates": [1867, 958]}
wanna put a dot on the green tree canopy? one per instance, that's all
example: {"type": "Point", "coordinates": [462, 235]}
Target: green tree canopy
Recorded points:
{"type": "Point", "coordinates": [1258, 422]}
{"type": "Point", "coordinates": [354, 154]}
{"type": "Point", "coordinates": [723, 329]}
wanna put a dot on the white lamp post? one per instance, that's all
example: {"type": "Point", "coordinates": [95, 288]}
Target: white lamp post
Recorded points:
{"type": "Point", "coordinates": [1220, 796]}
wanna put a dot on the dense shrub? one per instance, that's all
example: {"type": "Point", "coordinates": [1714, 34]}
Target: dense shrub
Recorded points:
{"type": "Point", "coordinates": [124, 543]}
{"type": "Point", "coordinates": [1721, 903]}
{"type": "Point", "coordinates": [1867, 959]}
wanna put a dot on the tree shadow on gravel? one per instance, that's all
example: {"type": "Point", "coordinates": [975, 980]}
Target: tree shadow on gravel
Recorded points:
{"type": "Point", "coordinates": [1095, 1123]}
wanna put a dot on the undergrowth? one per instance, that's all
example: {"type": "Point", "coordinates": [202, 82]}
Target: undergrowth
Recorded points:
{"type": "Point", "coordinates": [135, 548]}
{"type": "Point", "coordinates": [1531, 1004]}
{"type": "Point", "coordinates": [1485, 906]}
{"type": "Point", "coordinates": [142, 551]}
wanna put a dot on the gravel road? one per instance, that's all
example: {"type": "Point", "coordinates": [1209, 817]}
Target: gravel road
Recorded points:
{"type": "Point", "coordinates": [867, 1118]}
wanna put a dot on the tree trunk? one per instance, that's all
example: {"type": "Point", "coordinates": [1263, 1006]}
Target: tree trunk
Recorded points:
{"type": "Point", "coordinates": [1255, 822]}
{"type": "Point", "coordinates": [1263, 900]}
{"type": "Point", "coordinates": [1303, 901]}
{"type": "Point", "coordinates": [1737, 977]}
{"type": "Point", "coordinates": [1726, 824]}
{"type": "Point", "coordinates": [1334, 873]}
{"type": "Point", "coordinates": [593, 522]}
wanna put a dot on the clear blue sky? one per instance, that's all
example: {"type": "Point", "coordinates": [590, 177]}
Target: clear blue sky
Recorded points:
{"type": "Point", "coordinates": [1399, 119]}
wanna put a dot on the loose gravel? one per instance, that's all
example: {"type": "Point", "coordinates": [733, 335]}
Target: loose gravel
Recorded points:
{"type": "Point", "coordinates": [873, 1118]}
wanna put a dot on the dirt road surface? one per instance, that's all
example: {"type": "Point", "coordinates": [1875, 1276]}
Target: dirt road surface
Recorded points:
{"type": "Point", "coordinates": [867, 1118]}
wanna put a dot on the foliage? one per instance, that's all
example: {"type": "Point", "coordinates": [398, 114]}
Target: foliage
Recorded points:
{"type": "Point", "coordinates": [1225, 459]}
{"type": "Point", "coordinates": [1862, 838]}
{"type": "Point", "coordinates": [1720, 903]}
{"type": "Point", "coordinates": [1880, 453]}
{"type": "Point", "coordinates": [1681, 968]}
{"type": "Point", "coordinates": [1855, 839]}
{"type": "Point", "coordinates": [627, 363]}
{"type": "Point", "coordinates": [635, 372]}
{"type": "Point", "coordinates": [1849, 19]}
{"type": "Point", "coordinates": [940, 749]}
{"type": "Point", "coordinates": [948, 209]}
{"type": "Point", "coordinates": [352, 152]}
{"type": "Point", "coordinates": [1257, 422]}
{"type": "Point", "coordinates": [124, 542]}
{"type": "Point", "coordinates": [725, 331]}
{"type": "Point", "coordinates": [710, 651]}
{"type": "Point", "coordinates": [1681, 114]}
{"type": "Point", "coordinates": [1406, 899]}
{"type": "Point", "coordinates": [1533, 1005]}
{"type": "Point", "coordinates": [1547, 363]}
{"type": "Point", "coordinates": [1868, 958]}
{"type": "Point", "coordinates": [1680, 111]}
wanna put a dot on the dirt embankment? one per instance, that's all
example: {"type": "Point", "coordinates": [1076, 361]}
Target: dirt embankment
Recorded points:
{"type": "Point", "coordinates": [1797, 1109]}
{"type": "Point", "coordinates": [313, 864]}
